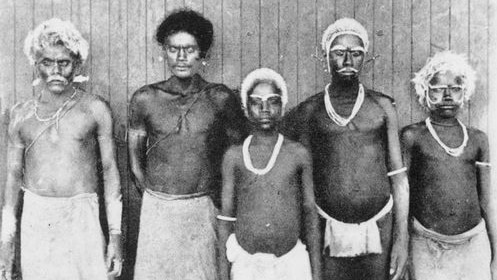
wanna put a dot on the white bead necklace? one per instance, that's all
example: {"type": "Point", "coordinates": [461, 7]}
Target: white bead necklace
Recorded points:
{"type": "Point", "coordinates": [334, 116]}
{"type": "Point", "coordinates": [248, 162]}
{"type": "Point", "coordinates": [455, 152]}
{"type": "Point", "coordinates": [57, 113]}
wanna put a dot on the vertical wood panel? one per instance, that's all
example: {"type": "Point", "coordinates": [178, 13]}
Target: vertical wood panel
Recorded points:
{"type": "Point", "coordinates": [492, 85]}
{"type": "Point", "coordinates": [459, 36]}
{"type": "Point", "coordinates": [99, 51]}
{"type": "Point", "coordinates": [23, 71]}
{"type": "Point", "coordinates": [196, 5]}
{"type": "Point", "coordinates": [306, 48]}
{"type": "Point", "coordinates": [7, 80]}
{"type": "Point", "coordinates": [325, 15]}
{"type": "Point", "coordinates": [478, 39]}
{"type": "Point", "coordinates": [250, 36]}
{"type": "Point", "coordinates": [154, 53]}
{"type": "Point", "coordinates": [269, 34]}
{"type": "Point", "coordinates": [402, 59]}
{"type": "Point", "coordinates": [440, 26]}
{"type": "Point", "coordinates": [344, 8]}
{"type": "Point", "coordinates": [382, 38]}
{"type": "Point", "coordinates": [213, 71]}
{"type": "Point", "coordinates": [288, 48]}
{"type": "Point", "coordinates": [42, 11]}
{"type": "Point", "coordinates": [81, 18]}
{"type": "Point", "coordinates": [231, 43]}
{"type": "Point", "coordinates": [420, 42]}
{"type": "Point", "coordinates": [61, 9]}
{"type": "Point", "coordinates": [364, 14]}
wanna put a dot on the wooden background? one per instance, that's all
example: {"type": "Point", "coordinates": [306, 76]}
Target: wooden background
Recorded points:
{"type": "Point", "coordinates": [280, 34]}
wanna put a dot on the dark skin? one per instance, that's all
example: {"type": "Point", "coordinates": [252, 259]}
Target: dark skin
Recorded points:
{"type": "Point", "coordinates": [450, 195]}
{"type": "Point", "coordinates": [185, 160]}
{"type": "Point", "coordinates": [351, 162]}
{"type": "Point", "coordinates": [85, 128]}
{"type": "Point", "coordinates": [272, 210]}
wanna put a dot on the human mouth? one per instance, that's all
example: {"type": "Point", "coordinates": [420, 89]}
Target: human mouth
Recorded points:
{"type": "Point", "coordinates": [348, 71]}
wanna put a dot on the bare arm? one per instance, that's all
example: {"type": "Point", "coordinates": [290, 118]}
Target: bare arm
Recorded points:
{"type": "Point", "coordinates": [225, 228]}
{"type": "Point", "coordinates": [488, 198]}
{"type": "Point", "coordinates": [137, 140]}
{"type": "Point", "coordinates": [311, 223]}
{"type": "Point", "coordinates": [15, 165]}
{"type": "Point", "coordinates": [400, 192]}
{"type": "Point", "coordinates": [112, 186]}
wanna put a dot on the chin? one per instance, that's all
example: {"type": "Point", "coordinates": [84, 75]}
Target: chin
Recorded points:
{"type": "Point", "coordinates": [183, 74]}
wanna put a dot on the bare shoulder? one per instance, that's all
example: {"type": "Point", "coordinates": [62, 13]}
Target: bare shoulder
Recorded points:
{"type": "Point", "coordinates": [480, 137]}
{"type": "Point", "coordinates": [220, 94]}
{"type": "Point", "coordinates": [385, 101]}
{"type": "Point", "coordinates": [20, 112]}
{"type": "Point", "coordinates": [310, 104]}
{"type": "Point", "coordinates": [96, 105]}
{"type": "Point", "coordinates": [299, 151]}
{"type": "Point", "coordinates": [412, 131]}
{"type": "Point", "coordinates": [232, 154]}
{"type": "Point", "coordinates": [143, 94]}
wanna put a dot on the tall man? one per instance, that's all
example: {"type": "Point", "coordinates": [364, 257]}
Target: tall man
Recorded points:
{"type": "Point", "coordinates": [179, 129]}
{"type": "Point", "coordinates": [353, 136]}
{"type": "Point", "coordinates": [55, 142]}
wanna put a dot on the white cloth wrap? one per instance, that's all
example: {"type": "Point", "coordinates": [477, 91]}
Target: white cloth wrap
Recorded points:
{"type": "Point", "coordinates": [61, 238]}
{"type": "Point", "coordinates": [8, 224]}
{"type": "Point", "coordinates": [353, 239]}
{"type": "Point", "coordinates": [294, 265]}
{"type": "Point", "coordinates": [114, 215]}
{"type": "Point", "coordinates": [435, 256]}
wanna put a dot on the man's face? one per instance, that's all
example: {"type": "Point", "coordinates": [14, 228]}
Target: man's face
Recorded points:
{"type": "Point", "coordinates": [346, 56]}
{"type": "Point", "coordinates": [56, 68]}
{"type": "Point", "coordinates": [264, 106]}
{"type": "Point", "coordinates": [445, 94]}
{"type": "Point", "coordinates": [183, 54]}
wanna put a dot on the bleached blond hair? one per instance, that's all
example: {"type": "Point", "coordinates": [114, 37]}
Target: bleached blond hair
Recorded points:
{"type": "Point", "coordinates": [55, 32]}
{"type": "Point", "coordinates": [263, 75]}
{"type": "Point", "coordinates": [341, 27]}
{"type": "Point", "coordinates": [441, 63]}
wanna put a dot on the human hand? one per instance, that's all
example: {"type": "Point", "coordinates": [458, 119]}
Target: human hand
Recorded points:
{"type": "Point", "coordinates": [114, 256]}
{"type": "Point", "coordinates": [398, 259]}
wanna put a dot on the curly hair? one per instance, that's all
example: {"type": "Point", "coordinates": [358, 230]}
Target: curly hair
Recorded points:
{"type": "Point", "coordinates": [55, 32]}
{"type": "Point", "coordinates": [440, 63]}
{"type": "Point", "coordinates": [190, 22]}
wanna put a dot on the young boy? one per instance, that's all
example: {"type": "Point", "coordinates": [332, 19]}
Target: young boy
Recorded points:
{"type": "Point", "coordinates": [268, 195]}
{"type": "Point", "coordinates": [452, 201]}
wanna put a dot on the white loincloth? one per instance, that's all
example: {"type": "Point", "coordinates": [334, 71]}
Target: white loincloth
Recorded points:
{"type": "Point", "coordinates": [294, 265]}
{"type": "Point", "coordinates": [436, 256]}
{"type": "Point", "coordinates": [177, 238]}
{"type": "Point", "coordinates": [351, 240]}
{"type": "Point", "coordinates": [61, 238]}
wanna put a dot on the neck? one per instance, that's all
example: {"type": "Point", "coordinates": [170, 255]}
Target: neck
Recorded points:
{"type": "Point", "coordinates": [185, 83]}
{"type": "Point", "coordinates": [340, 87]}
{"type": "Point", "coordinates": [443, 121]}
{"type": "Point", "coordinates": [264, 135]}
{"type": "Point", "coordinates": [50, 97]}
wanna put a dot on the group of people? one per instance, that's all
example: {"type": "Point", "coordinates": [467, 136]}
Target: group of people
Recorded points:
{"type": "Point", "coordinates": [234, 188]}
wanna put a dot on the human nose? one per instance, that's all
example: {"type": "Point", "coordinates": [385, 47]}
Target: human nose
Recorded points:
{"type": "Point", "coordinates": [265, 106]}
{"type": "Point", "coordinates": [181, 54]}
{"type": "Point", "coordinates": [348, 59]}
{"type": "Point", "coordinates": [56, 69]}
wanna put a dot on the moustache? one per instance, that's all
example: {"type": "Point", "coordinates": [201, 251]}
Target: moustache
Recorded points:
{"type": "Point", "coordinates": [57, 78]}
{"type": "Point", "coordinates": [348, 69]}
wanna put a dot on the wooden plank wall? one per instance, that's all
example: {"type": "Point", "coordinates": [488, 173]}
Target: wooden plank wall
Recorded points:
{"type": "Point", "coordinates": [280, 34]}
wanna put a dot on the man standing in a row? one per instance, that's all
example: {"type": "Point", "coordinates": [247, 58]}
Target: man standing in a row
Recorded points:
{"type": "Point", "coordinates": [53, 145]}
{"type": "Point", "coordinates": [352, 134]}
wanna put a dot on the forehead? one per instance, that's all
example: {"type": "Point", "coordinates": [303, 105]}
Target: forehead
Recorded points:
{"type": "Point", "coordinates": [348, 41]}
{"type": "Point", "coordinates": [54, 52]}
{"type": "Point", "coordinates": [264, 89]}
{"type": "Point", "coordinates": [446, 78]}
{"type": "Point", "coordinates": [181, 39]}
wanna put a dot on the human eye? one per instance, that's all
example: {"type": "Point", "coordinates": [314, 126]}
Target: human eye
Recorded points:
{"type": "Point", "coordinates": [456, 89]}
{"type": "Point", "coordinates": [356, 53]}
{"type": "Point", "coordinates": [339, 52]}
{"type": "Point", "coordinates": [47, 62]}
{"type": "Point", "coordinates": [172, 49]}
{"type": "Point", "coordinates": [274, 99]}
{"type": "Point", "coordinates": [64, 63]}
{"type": "Point", "coordinates": [191, 49]}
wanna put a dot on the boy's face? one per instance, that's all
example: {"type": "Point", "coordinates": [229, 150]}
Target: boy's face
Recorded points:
{"type": "Point", "coordinates": [346, 57]}
{"type": "Point", "coordinates": [56, 68]}
{"type": "Point", "coordinates": [183, 54]}
{"type": "Point", "coordinates": [264, 106]}
{"type": "Point", "coordinates": [445, 94]}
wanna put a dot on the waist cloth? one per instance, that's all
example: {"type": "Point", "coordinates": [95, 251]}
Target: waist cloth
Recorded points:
{"type": "Point", "coordinates": [177, 237]}
{"type": "Point", "coordinates": [294, 265]}
{"type": "Point", "coordinates": [61, 238]}
{"type": "Point", "coordinates": [435, 256]}
{"type": "Point", "coordinates": [353, 239]}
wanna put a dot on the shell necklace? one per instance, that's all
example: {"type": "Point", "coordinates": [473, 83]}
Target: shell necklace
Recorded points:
{"type": "Point", "coordinates": [334, 116]}
{"type": "Point", "coordinates": [455, 152]}
{"type": "Point", "coordinates": [56, 115]}
{"type": "Point", "coordinates": [248, 162]}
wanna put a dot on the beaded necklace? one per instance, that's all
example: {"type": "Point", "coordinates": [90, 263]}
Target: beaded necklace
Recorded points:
{"type": "Point", "coordinates": [248, 162]}
{"type": "Point", "coordinates": [334, 116]}
{"type": "Point", "coordinates": [455, 152]}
